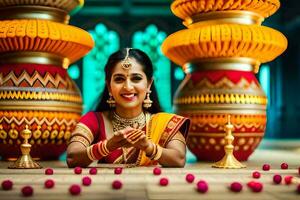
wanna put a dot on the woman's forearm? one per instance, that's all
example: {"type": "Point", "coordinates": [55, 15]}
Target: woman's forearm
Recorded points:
{"type": "Point", "coordinates": [172, 158]}
{"type": "Point", "coordinates": [77, 155]}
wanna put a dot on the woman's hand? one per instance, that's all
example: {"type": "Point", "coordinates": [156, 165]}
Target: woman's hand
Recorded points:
{"type": "Point", "coordinates": [144, 144]}
{"type": "Point", "coordinates": [138, 139]}
{"type": "Point", "coordinates": [134, 135]}
{"type": "Point", "coordinates": [119, 139]}
{"type": "Point", "coordinates": [129, 137]}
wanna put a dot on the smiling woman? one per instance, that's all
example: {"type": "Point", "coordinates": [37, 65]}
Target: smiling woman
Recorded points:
{"type": "Point", "coordinates": [127, 126]}
{"type": "Point", "coordinates": [129, 86]}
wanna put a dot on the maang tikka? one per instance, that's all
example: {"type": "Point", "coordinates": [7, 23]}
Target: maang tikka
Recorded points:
{"type": "Point", "coordinates": [126, 64]}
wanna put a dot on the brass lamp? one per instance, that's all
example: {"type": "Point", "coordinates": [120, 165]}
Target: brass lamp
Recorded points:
{"type": "Point", "coordinates": [25, 161]}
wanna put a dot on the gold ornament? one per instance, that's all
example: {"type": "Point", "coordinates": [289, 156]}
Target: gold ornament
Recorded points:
{"type": "Point", "coordinates": [147, 103]}
{"type": "Point", "coordinates": [111, 102]}
{"type": "Point", "coordinates": [37, 133]}
{"type": "Point", "coordinates": [13, 133]}
{"type": "Point", "coordinates": [126, 64]}
{"type": "Point", "coordinates": [120, 123]}
{"type": "Point", "coordinates": [3, 134]}
{"type": "Point", "coordinates": [25, 161]}
{"type": "Point", "coordinates": [229, 161]}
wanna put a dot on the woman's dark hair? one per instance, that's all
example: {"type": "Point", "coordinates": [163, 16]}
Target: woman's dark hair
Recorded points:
{"type": "Point", "coordinates": [143, 60]}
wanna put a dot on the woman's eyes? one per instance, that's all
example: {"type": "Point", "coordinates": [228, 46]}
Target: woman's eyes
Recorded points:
{"type": "Point", "coordinates": [136, 78]}
{"type": "Point", "coordinates": [133, 79]}
{"type": "Point", "coordinates": [119, 79]}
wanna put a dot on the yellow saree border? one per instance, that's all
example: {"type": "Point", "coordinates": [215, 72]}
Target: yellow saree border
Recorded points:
{"type": "Point", "coordinates": [160, 129]}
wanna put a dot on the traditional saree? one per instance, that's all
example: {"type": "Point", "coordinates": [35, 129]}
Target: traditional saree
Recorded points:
{"type": "Point", "coordinates": [160, 128]}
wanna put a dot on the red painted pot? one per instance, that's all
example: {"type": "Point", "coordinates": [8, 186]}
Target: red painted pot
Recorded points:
{"type": "Point", "coordinates": [43, 97]}
{"type": "Point", "coordinates": [207, 97]}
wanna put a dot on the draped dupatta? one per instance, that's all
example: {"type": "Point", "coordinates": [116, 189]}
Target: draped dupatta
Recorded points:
{"type": "Point", "coordinates": [160, 129]}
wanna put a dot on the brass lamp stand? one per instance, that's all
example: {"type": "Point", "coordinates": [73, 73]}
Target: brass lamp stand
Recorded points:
{"type": "Point", "coordinates": [228, 161]}
{"type": "Point", "coordinates": [25, 161]}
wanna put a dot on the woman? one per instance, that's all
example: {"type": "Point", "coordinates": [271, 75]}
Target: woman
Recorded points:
{"type": "Point", "coordinates": [128, 127]}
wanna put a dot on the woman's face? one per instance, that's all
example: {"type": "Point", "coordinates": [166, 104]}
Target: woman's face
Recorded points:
{"type": "Point", "coordinates": [129, 86]}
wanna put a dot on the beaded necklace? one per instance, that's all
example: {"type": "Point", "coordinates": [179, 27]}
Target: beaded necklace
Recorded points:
{"type": "Point", "coordinates": [120, 123]}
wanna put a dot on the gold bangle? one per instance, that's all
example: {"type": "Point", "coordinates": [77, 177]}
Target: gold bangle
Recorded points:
{"type": "Point", "coordinates": [159, 153]}
{"type": "Point", "coordinates": [105, 147]}
{"type": "Point", "coordinates": [90, 153]}
{"type": "Point", "coordinates": [152, 152]}
{"type": "Point", "coordinates": [102, 149]}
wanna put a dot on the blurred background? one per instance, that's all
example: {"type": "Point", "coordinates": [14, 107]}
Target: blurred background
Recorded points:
{"type": "Point", "coordinates": [144, 24]}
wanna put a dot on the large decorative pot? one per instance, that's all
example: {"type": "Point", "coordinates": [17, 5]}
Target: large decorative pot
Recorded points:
{"type": "Point", "coordinates": [43, 97]}
{"type": "Point", "coordinates": [35, 89]}
{"type": "Point", "coordinates": [207, 97]}
{"type": "Point", "coordinates": [221, 51]}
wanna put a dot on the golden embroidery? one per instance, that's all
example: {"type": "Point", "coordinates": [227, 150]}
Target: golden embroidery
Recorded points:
{"type": "Point", "coordinates": [79, 139]}
{"type": "Point", "coordinates": [84, 131]}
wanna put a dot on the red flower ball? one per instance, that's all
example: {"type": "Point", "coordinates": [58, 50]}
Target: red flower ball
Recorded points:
{"type": "Point", "coordinates": [7, 185]}
{"type": "Point", "coordinates": [251, 184]}
{"type": "Point", "coordinates": [284, 166]}
{"type": "Point", "coordinates": [93, 170]}
{"type": "Point", "coordinates": [288, 180]}
{"type": "Point", "coordinates": [77, 170]}
{"type": "Point", "coordinates": [236, 187]}
{"type": "Point", "coordinates": [27, 191]}
{"type": "Point", "coordinates": [86, 181]}
{"type": "Point", "coordinates": [49, 171]}
{"type": "Point", "coordinates": [257, 187]}
{"type": "Point", "coordinates": [190, 178]}
{"type": "Point", "coordinates": [156, 171]}
{"type": "Point", "coordinates": [75, 189]}
{"type": "Point", "coordinates": [117, 184]}
{"type": "Point", "coordinates": [266, 167]}
{"type": "Point", "coordinates": [49, 183]}
{"type": "Point", "coordinates": [277, 179]}
{"type": "Point", "coordinates": [256, 174]}
{"type": "Point", "coordinates": [298, 188]}
{"type": "Point", "coordinates": [163, 182]}
{"type": "Point", "coordinates": [118, 170]}
{"type": "Point", "coordinates": [202, 186]}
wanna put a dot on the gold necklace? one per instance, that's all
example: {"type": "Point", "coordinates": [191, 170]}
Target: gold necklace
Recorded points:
{"type": "Point", "coordinates": [120, 123]}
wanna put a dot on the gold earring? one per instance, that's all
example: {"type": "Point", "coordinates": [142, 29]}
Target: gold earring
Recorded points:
{"type": "Point", "coordinates": [147, 103]}
{"type": "Point", "coordinates": [111, 102]}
